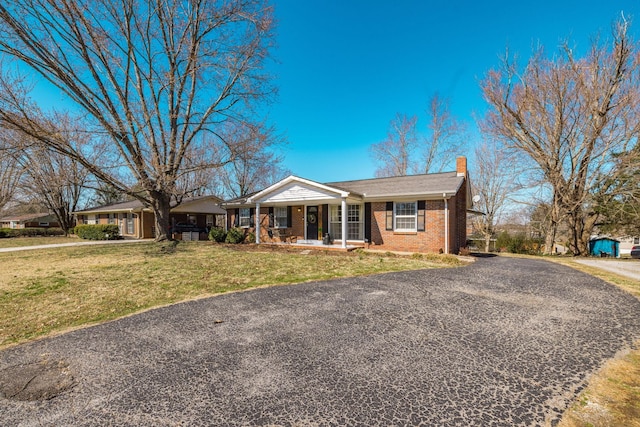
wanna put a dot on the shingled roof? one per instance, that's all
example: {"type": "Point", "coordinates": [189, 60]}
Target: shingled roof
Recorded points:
{"type": "Point", "coordinates": [434, 184]}
{"type": "Point", "coordinates": [136, 205]}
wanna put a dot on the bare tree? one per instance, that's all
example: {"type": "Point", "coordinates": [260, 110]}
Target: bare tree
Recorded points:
{"type": "Point", "coordinates": [494, 181]}
{"type": "Point", "coordinates": [156, 79]}
{"type": "Point", "coordinates": [620, 205]}
{"type": "Point", "coordinates": [570, 116]}
{"type": "Point", "coordinates": [445, 140]}
{"type": "Point", "coordinates": [395, 152]}
{"type": "Point", "coordinates": [10, 168]}
{"type": "Point", "coordinates": [55, 181]}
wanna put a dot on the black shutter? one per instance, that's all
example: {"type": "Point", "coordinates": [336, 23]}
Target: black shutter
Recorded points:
{"type": "Point", "coordinates": [236, 217]}
{"type": "Point", "coordinates": [389, 219]}
{"type": "Point", "coordinates": [252, 217]}
{"type": "Point", "coordinates": [367, 222]}
{"type": "Point", "coordinates": [289, 217]}
{"type": "Point", "coordinates": [325, 220]}
{"type": "Point", "coordinates": [421, 209]}
{"type": "Point", "coordinates": [271, 223]}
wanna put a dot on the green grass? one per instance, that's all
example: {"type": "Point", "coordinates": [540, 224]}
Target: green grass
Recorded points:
{"type": "Point", "coordinates": [52, 290]}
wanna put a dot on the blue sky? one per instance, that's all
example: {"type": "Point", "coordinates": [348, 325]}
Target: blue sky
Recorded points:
{"type": "Point", "coordinates": [346, 67]}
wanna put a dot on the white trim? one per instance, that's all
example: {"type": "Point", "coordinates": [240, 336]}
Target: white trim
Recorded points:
{"type": "Point", "coordinates": [257, 223]}
{"type": "Point", "coordinates": [344, 222]}
{"type": "Point", "coordinates": [415, 217]}
{"type": "Point", "coordinates": [260, 196]}
{"type": "Point", "coordinates": [446, 225]}
{"type": "Point", "coordinates": [240, 217]}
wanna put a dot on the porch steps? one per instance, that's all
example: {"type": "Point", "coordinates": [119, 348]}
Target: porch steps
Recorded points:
{"type": "Point", "coordinates": [309, 242]}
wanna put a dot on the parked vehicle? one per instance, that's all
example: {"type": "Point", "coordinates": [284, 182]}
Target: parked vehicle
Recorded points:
{"type": "Point", "coordinates": [635, 252]}
{"type": "Point", "coordinates": [180, 227]}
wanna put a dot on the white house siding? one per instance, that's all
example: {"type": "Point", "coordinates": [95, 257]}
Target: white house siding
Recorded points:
{"type": "Point", "coordinates": [297, 193]}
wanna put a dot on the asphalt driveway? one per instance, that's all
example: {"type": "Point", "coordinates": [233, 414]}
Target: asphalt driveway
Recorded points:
{"type": "Point", "coordinates": [501, 342]}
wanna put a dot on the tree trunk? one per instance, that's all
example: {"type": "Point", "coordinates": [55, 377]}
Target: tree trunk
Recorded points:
{"type": "Point", "coordinates": [582, 225]}
{"type": "Point", "coordinates": [487, 242]}
{"type": "Point", "coordinates": [161, 209]}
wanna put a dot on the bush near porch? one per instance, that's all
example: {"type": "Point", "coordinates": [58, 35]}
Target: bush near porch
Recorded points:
{"type": "Point", "coordinates": [98, 231]}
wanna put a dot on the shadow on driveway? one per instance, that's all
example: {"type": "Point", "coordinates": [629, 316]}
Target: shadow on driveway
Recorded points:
{"type": "Point", "coordinates": [504, 341]}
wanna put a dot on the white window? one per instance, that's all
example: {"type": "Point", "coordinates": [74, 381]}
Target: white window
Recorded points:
{"type": "Point", "coordinates": [280, 217]}
{"type": "Point", "coordinates": [636, 240]}
{"type": "Point", "coordinates": [245, 217]}
{"type": "Point", "coordinates": [192, 219]}
{"type": "Point", "coordinates": [130, 229]}
{"type": "Point", "coordinates": [405, 218]}
{"type": "Point", "coordinates": [209, 220]}
{"type": "Point", "coordinates": [355, 222]}
{"type": "Point", "coordinates": [43, 224]}
{"type": "Point", "coordinates": [92, 219]}
{"type": "Point", "coordinates": [112, 218]}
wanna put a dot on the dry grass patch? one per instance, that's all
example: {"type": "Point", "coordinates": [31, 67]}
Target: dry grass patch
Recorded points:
{"type": "Point", "coordinates": [17, 242]}
{"type": "Point", "coordinates": [52, 290]}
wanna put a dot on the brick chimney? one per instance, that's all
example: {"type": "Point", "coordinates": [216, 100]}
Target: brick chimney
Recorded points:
{"type": "Point", "coordinates": [461, 166]}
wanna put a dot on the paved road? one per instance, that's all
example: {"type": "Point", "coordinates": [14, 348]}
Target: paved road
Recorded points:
{"type": "Point", "coordinates": [503, 342]}
{"type": "Point", "coordinates": [629, 268]}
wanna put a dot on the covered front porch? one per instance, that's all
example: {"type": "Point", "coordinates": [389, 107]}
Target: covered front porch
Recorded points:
{"type": "Point", "coordinates": [302, 212]}
{"type": "Point", "coordinates": [320, 245]}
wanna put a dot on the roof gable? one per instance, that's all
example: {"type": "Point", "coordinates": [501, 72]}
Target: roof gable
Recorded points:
{"type": "Point", "coordinates": [294, 188]}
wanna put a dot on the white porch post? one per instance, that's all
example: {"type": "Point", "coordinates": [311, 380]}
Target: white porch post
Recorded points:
{"type": "Point", "coordinates": [257, 223]}
{"type": "Point", "coordinates": [446, 225]}
{"type": "Point", "coordinates": [344, 222]}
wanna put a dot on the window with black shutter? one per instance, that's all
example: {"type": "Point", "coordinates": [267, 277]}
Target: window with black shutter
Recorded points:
{"type": "Point", "coordinates": [421, 215]}
{"type": "Point", "coordinates": [389, 217]}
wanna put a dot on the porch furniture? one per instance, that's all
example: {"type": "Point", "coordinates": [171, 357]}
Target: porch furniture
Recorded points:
{"type": "Point", "coordinates": [284, 234]}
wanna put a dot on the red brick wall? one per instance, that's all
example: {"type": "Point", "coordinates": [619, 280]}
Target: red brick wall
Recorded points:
{"type": "Point", "coordinates": [430, 240]}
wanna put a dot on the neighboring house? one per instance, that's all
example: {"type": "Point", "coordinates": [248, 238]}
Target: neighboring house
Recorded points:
{"type": "Point", "coordinates": [417, 213]}
{"type": "Point", "coordinates": [626, 243]}
{"type": "Point", "coordinates": [37, 220]}
{"type": "Point", "coordinates": [193, 216]}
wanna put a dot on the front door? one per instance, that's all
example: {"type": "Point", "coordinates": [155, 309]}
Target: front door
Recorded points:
{"type": "Point", "coordinates": [312, 222]}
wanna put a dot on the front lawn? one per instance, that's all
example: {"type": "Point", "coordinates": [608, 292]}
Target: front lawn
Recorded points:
{"type": "Point", "coordinates": [16, 242]}
{"type": "Point", "coordinates": [51, 290]}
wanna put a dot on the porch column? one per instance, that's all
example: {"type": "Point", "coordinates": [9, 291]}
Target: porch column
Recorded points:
{"type": "Point", "coordinates": [257, 223]}
{"type": "Point", "coordinates": [344, 222]}
{"type": "Point", "coordinates": [446, 224]}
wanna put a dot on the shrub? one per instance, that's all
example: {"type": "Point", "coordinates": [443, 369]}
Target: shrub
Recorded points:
{"type": "Point", "coordinates": [251, 237]}
{"type": "Point", "coordinates": [55, 231]}
{"type": "Point", "coordinates": [465, 251]}
{"type": "Point", "coordinates": [98, 231]}
{"type": "Point", "coordinates": [217, 235]}
{"type": "Point", "coordinates": [235, 235]}
{"type": "Point", "coordinates": [30, 232]}
{"type": "Point", "coordinates": [7, 232]}
{"type": "Point", "coordinates": [518, 244]}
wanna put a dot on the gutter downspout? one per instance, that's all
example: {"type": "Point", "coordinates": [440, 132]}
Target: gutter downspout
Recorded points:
{"type": "Point", "coordinates": [446, 223]}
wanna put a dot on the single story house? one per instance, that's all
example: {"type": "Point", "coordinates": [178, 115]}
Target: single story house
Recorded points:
{"type": "Point", "coordinates": [416, 213]}
{"type": "Point", "coordinates": [189, 220]}
{"type": "Point", "coordinates": [34, 220]}
{"type": "Point", "coordinates": [626, 243]}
